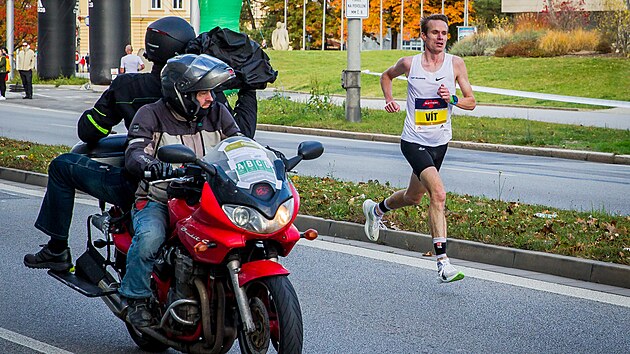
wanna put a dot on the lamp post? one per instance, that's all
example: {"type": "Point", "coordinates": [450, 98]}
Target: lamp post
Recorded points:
{"type": "Point", "coordinates": [285, 13]}
{"type": "Point", "coordinates": [323, 24]}
{"type": "Point", "coordinates": [381, 26]}
{"type": "Point", "coordinates": [466, 13]}
{"type": "Point", "coordinates": [402, 16]}
{"type": "Point", "coordinates": [304, 26]}
{"type": "Point", "coordinates": [341, 40]}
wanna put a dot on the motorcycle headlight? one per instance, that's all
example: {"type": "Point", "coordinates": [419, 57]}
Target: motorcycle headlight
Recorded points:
{"type": "Point", "coordinates": [250, 219]}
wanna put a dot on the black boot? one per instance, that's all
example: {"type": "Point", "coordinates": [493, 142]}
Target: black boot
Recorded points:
{"type": "Point", "coordinates": [45, 258]}
{"type": "Point", "coordinates": [138, 314]}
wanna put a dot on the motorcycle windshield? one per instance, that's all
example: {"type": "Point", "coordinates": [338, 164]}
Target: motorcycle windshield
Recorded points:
{"type": "Point", "coordinates": [245, 162]}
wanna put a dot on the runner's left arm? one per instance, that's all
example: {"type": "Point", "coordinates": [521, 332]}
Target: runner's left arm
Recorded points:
{"type": "Point", "coordinates": [468, 101]}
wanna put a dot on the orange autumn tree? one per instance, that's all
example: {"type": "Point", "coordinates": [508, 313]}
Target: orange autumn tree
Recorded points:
{"type": "Point", "coordinates": [453, 9]}
{"type": "Point", "coordinates": [24, 22]}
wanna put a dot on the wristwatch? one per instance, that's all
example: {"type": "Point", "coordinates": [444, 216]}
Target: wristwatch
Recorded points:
{"type": "Point", "coordinates": [454, 100]}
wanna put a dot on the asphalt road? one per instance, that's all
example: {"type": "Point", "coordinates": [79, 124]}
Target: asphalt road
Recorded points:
{"type": "Point", "coordinates": [567, 184]}
{"type": "Point", "coordinates": [561, 183]}
{"type": "Point", "coordinates": [354, 300]}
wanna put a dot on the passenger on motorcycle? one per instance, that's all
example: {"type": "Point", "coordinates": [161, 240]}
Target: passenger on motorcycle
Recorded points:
{"type": "Point", "coordinates": [69, 172]}
{"type": "Point", "coordinates": [185, 115]}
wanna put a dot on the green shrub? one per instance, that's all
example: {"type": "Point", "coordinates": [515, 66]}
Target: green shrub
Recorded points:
{"type": "Point", "coordinates": [481, 43]}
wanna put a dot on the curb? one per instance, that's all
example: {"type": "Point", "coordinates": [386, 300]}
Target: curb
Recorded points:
{"type": "Point", "coordinates": [601, 157]}
{"type": "Point", "coordinates": [564, 266]}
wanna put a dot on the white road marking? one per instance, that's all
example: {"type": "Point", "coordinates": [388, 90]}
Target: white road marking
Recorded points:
{"type": "Point", "coordinates": [495, 173]}
{"type": "Point", "coordinates": [15, 105]}
{"type": "Point", "coordinates": [63, 125]}
{"type": "Point", "coordinates": [559, 289]}
{"type": "Point", "coordinates": [30, 342]}
{"type": "Point", "coordinates": [13, 190]}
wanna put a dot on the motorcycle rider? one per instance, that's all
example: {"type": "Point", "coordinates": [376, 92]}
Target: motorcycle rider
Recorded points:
{"type": "Point", "coordinates": [186, 114]}
{"type": "Point", "coordinates": [69, 172]}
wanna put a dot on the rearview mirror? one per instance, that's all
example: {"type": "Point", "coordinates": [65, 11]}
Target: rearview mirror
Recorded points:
{"type": "Point", "coordinates": [310, 150]}
{"type": "Point", "coordinates": [176, 153]}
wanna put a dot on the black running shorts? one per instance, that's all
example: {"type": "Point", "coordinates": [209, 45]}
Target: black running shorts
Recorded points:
{"type": "Point", "coordinates": [421, 157]}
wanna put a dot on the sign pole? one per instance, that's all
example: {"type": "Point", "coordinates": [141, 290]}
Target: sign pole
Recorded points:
{"type": "Point", "coordinates": [351, 77]}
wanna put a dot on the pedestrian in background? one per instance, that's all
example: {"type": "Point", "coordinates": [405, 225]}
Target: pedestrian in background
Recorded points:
{"type": "Point", "coordinates": [5, 66]}
{"type": "Point", "coordinates": [25, 65]}
{"type": "Point", "coordinates": [87, 61]}
{"type": "Point", "coordinates": [82, 64]}
{"type": "Point", "coordinates": [431, 78]}
{"type": "Point", "coordinates": [130, 63]}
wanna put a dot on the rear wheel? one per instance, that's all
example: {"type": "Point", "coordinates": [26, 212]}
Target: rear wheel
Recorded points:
{"type": "Point", "coordinates": [282, 321]}
{"type": "Point", "coordinates": [146, 343]}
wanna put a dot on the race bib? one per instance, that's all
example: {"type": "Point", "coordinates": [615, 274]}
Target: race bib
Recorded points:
{"type": "Point", "coordinates": [430, 112]}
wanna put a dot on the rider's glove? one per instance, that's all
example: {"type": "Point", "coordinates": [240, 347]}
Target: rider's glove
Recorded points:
{"type": "Point", "coordinates": [159, 170]}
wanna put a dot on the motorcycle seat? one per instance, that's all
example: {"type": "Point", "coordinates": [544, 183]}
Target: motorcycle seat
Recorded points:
{"type": "Point", "coordinates": [109, 150]}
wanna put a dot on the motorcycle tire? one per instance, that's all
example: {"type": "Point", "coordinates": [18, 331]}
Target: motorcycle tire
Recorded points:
{"type": "Point", "coordinates": [284, 313]}
{"type": "Point", "coordinates": [145, 342]}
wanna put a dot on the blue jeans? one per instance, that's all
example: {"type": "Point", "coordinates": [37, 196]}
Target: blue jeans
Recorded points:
{"type": "Point", "coordinates": [149, 225]}
{"type": "Point", "coordinates": [70, 172]}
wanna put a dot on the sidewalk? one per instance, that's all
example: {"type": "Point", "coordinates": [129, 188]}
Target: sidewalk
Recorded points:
{"type": "Point", "coordinates": [584, 273]}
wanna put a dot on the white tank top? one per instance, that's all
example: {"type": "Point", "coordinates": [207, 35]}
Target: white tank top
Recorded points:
{"type": "Point", "coordinates": [428, 120]}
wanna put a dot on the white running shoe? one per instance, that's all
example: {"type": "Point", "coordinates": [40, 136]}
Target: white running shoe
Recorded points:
{"type": "Point", "coordinates": [373, 223]}
{"type": "Point", "coordinates": [2, 98]}
{"type": "Point", "coordinates": [447, 273]}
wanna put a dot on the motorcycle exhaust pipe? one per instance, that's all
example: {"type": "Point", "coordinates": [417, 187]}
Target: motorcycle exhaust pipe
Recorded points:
{"type": "Point", "coordinates": [170, 312]}
{"type": "Point", "coordinates": [115, 304]}
{"type": "Point", "coordinates": [241, 298]}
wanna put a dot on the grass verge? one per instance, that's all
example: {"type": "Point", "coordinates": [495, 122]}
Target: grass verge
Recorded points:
{"type": "Point", "coordinates": [319, 112]}
{"type": "Point", "coordinates": [592, 235]}
{"type": "Point", "coordinates": [593, 77]}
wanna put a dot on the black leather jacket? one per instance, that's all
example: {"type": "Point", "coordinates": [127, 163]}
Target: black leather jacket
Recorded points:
{"type": "Point", "coordinates": [126, 94]}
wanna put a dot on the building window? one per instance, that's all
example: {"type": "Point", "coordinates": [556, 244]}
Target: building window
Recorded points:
{"type": "Point", "coordinates": [178, 4]}
{"type": "Point", "coordinates": [156, 4]}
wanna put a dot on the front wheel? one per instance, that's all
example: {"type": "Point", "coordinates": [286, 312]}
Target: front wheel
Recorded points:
{"type": "Point", "coordinates": [281, 317]}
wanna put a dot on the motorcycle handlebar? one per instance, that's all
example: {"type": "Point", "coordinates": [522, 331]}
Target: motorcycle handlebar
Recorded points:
{"type": "Point", "coordinates": [177, 172]}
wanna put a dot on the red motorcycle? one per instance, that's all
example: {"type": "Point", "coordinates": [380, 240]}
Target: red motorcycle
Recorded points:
{"type": "Point", "coordinates": [217, 276]}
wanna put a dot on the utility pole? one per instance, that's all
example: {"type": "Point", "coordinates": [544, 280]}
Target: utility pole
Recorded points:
{"type": "Point", "coordinates": [356, 10]}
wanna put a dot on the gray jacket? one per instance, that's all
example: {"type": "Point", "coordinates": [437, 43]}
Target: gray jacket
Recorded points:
{"type": "Point", "coordinates": [155, 125]}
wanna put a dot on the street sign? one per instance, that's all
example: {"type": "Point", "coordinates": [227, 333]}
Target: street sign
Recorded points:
{"type": "Point", "coordinates": [465, 31]}
{"type": "Point", "coordinates": [357, 8]}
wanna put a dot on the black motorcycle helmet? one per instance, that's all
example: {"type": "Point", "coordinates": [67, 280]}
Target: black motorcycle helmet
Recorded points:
{"type": "Point", "coordinates": [185, 75]}
{"type": "Point", "coordinates": [166, 38]}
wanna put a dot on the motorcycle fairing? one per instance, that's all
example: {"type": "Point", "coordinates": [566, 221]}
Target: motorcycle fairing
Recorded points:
{"type": "Point", "coordinates": [208, 221]}
{"type": "Point", "coordinates": [260, 269]}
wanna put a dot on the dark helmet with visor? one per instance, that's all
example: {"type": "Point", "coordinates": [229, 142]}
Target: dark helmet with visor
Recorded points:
{"type": "Point", "coordinates": [185, 75]}
{"type": "Point", "coordinates": [166, 38]}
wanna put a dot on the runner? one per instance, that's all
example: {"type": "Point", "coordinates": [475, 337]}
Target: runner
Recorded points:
{"type": "Point", "coordinates": [430, 99]}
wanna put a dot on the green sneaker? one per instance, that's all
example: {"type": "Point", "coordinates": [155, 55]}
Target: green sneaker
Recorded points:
{"type": "Point", "coordinates": [447, 273]}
